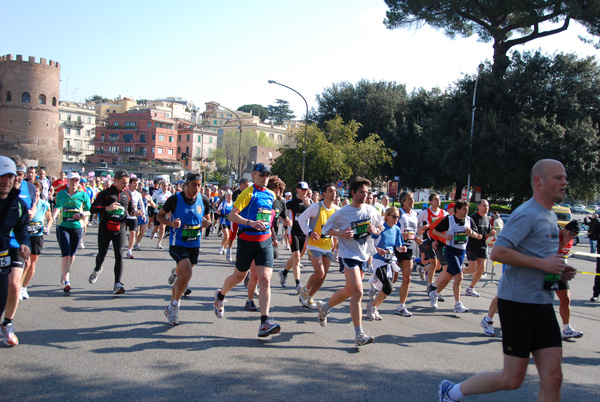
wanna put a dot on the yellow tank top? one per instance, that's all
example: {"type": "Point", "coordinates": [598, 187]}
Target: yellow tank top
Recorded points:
{"type": "Point", "coordinates": [316, 224]}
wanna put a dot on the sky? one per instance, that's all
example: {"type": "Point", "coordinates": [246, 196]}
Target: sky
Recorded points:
{"type": "Point", "coordinates": [226, 51]}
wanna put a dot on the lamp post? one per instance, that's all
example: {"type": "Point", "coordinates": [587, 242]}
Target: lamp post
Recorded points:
{"type": "Point", "coordinates": [394, 155]}
{"type": "Point", "coordinates": [305, 123]}
{"type": "Point", "coordinates": [240, 146]}
{"type": "Point", "coordinates": [480, 69]}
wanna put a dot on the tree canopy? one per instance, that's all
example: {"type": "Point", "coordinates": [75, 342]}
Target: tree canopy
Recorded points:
{"type": "Point", "coordinates": [280, 112]}
{"type": "Point", "coordinates": [97, 99]}
{"type": "Point", "coordinates": [257, 110]}
{"type": "Point", "coordinates": [228, 157]}
{"type": "Point", "coordinates": [506, 23]}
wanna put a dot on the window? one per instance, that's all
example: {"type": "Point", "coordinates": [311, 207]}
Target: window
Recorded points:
{"type": "Point", "coordinates": [25, 98]}
{"type": "Point", "coordinates": [210, 140]}
{"type": "Point", "coordinates": [215, 123]}
{"type": "Point", "coordinates": [179, 138]}
{"type": "Point", "coordinates": [8, 96]}
{"type": "Point", "coordinates": [160, 150]}
{"type": "Point", "coordinates": [102, 137]}
{"type": "Point", "coordinates": [178, 150]}
{"type": "Point", "coordinates": [115, 123]}
{"type": "Point", "coordinates": [153, 137]}
{"type": "Point", "coordinates": [68, 131]}
{"type": "Point", "coordinates": [188, 137]}
{"type": "Point", "coordinates": [89, 120]}
{"type": "Point", "coordinates": [161, 137]}
{"type": "Point", "coordinates": [128, 137]}
{"type": "Point", "coordinates": [87, 133]}
{"type": "Point", "coordinates": [149, 124]}
{"type": "Point", "coordinates": [199, 138]}
{"type": "Point", "coordinates": [54, 101]}
{"type": "Point", "coordinates": [128, 150]}
{"type": "Point", "coordinates": [68, 117]}
{"type": "Point", "coordinates": [78, 131]}
{"type": "Point", "coordinates": [152, 149]}
{"type": "Point", "coordinates": [114, 137]}
{"type": "Point", "coordinates": [198, 151]}
{"type": "Point", "coordinates": [187, 150]}
{"type": "Point", "coordinates": [170, 151]}
{"type": "Point", "coordinates": [170, 138]}
{"type": "Point", "coordinates": [130, 124]}
{"type": "Point", "coordinates": [113, 149]}
{"type": "Point", "coordinates": [142, 137]}
{"type": "Point", "coordinates": [42, 99]}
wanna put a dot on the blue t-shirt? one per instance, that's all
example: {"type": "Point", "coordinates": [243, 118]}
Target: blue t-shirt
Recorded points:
{"type": "Point", "coordinates": [190, 231]}
{"type": "Point", "coordinates": [27, 196]}
{"type": "Point", "coordinates": [390, 238]}
{"type": "Point", "coordinates": [532, 230]}
{"type": "Point", "coordinates": [36, 225]}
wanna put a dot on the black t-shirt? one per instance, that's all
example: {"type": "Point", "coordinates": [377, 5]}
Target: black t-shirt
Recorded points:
{"type": "Point", "coordinates": [482, 226]}
{"type": "Point", "coordinates": [106, 198]}
{"type": "Point", "coordinates": [280, 211]}
{"type": "Point", "coordinates": [235, 194]}
{"type": "Point", "coordinates": [296, 206]}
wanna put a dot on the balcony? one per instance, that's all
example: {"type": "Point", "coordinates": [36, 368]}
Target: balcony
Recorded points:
{"type": "Point", "coordinates": [71, 150]}
{"type": "Point", "coordinates": [99, 152]}
{"type": "Point", "coordinates": [75, 124]}
{"type": "Point", "coordinates": [121, 127]}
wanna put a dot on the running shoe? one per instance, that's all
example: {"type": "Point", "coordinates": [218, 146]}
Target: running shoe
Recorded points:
{"type": "Point", "coordinates": [403, 311]}
{"type": "Point", "coordinates": [159, 246]}
{"type": "Point", "coordinates": [421, 273]}
{"type": "Point", "coordinates": [440, 298]}
{"type": "Point", "coordinates": [311, 304]}
{"type": "Point", "coordinates": [228, 255]}
{"type": "Point", "coordinates": [82, 245]}
{"type": "Point", "coordinates": [443, 390]}
{"type": "Point", "coordinates": [129, 254]}
{"type": "Point", "coordinates": [363, 339]}
{"type": "Point", "coordinates": [246, 280]}
{"type": "Point", "coordinates": [282, 278]}
{"type": "Point", "coordinates": [188, 291]}
{"type": "Point", "coordinates": [594, 298]}
{"type": "Point", "coordinates": [118, 289]}
{"type": "Point", "coordinates": [430, 288]}
{"type": "Point", "coordinates": [136, 247]}
{"type": "Point", "coordinates": [173, 276]}
{"type": "Point", "coordinates": [322, 313]}
{"type": "Point", "coordinates": [219, 306]}
{"type": "Point", "coordinates": [10, 339]}
{"type": "Point", "coordinates": [172, 314]}
{"type": "Point", "coordinates": [303, 297]}
{"type": "Point", "coordinates": [298, 288]}
{"type": "Point", "coordinates": [433, 296]}
{"type": "Point", "coordinates": [221, 251]}
{"type": "Point", "coordinates": [471, 292]}
{"type": "Point", "coordinates": [24, 293]}
{"type": "Point", "coordinates": [94, 275]}
{"type": "Point", "coordinates": [373, 292]}
{"type": "Point", "coordinates": [460, 308]}
{"type": "Point", "coordinates": [269, 327]}
{"type": "Point", "coordinates": [149, 232]}
{"type": "Point", "coordinates": [488, 327]}
{"type": "Point", "coordinates": [371, 312]}
{"type": "Point", "coordinates": [256, 290]}
{"type": "Point", "coordinates": [67, 288]}
{"type": "Point", "coordinates": [250, 306]}
{"type": "Point", "coordinates": [571, 333]}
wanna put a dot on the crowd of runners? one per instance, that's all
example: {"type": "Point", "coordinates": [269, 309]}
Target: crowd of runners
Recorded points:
{"type": "Point", "coordinates": [359, 235]}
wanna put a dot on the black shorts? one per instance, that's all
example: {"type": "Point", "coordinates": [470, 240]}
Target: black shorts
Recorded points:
{"type": "Point", "coordinates": [225, 226]}
{"type": "Point", "coordinates": [527, 327]}
{"type": "Point", "coordinates": [37, 244]}
{"type": "Point", "coordinates": [132, 224]}
{"type": "Point", "coordinates": [473, 255]}
{"type": "Point", "coordinates": [156, 222]}
{"type": "Point", "coordinates": [421, 248]}
{"type": "Point", "coordinates": [563, 285]}
{"type": "Point", "coordinates": [408, 255]}
{"type": "Point", "coordinates": [261, 252]}
{"type": "Point", "coordinates": [179, 253]}
{"type": "Point", "coordinates": [16, 259]}
{"type": "Point", "coordinates": [297, 243]}
{"type": "Point", "coordinates": [440, 254]}
{"type": "Point", "coordinates": [430, 252]}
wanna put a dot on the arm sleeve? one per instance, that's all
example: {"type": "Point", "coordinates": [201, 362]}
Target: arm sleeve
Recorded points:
{"type": "Point", "coordinates": [87, 203]}
{"type": "Point", "coordinates": [308, 213]}
{"type": "Point", "coordinates": [422, 218]}
{"type": "Point", "coordinates": [20, 229]}
{"type": "Point", "coordinates": [97, 205]}
{"type": "Point", "coordinates": [206, 205]}
{"type": "Point", "coordinates": [443, 225]}
{"type": "Point", "coordinates": [170, 204]}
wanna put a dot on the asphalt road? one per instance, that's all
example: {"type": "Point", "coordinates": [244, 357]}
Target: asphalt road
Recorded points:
{"type": "Point", "coordinates": [93, 346]}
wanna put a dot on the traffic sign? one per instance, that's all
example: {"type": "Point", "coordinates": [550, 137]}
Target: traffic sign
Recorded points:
{"type": "Point", "coordinates": [340, 184]}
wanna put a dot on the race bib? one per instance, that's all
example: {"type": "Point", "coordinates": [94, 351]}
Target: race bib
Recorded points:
{"type": "Point", "coordinates": [159, 206]}
{"type": "Point", "coordinates": [117, 214]}
{"type": "Point", "coordinates": [264, 215]}
{"type": "Point", "coordinates": [360, 228]}
{"type": "Point", "coordinates": [68, 214]}
{"type": "Point", "coordinates": [35, 227]}
{"type": "Point", "coordinates": [460, 238]}
{"type": "Point", "coordinates": [191, 232]}
{"type": "Point", "coordinates": [4, 262]}
{"type": "Point", "coordinates": [410, 236]}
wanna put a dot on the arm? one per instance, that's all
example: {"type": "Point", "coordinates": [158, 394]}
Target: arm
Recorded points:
{"type": "Point", "coordinates": [20, 231]}
{"type": "Point", "coordinates": [170, 206]}
{"type": "Point", "coordinates": [553, 264]}
{"type": "Point", "coordinates": [303, 219]}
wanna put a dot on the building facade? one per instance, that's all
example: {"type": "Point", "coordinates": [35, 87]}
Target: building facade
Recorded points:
{"type": "Point", "coordinates": [29, 125]}
{"type": "Point", "coordinates": [198, 145]}
{"type": "Point", "coordinates": [78, 123]}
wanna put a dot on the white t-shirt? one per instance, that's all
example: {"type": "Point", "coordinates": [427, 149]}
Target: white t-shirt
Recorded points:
{"type": "Point", "coordinates": [408, 223]}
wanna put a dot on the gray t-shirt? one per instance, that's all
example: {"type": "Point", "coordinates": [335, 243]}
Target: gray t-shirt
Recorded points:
{"type": "Point", "coordinates": [532, 230]}
{"type": "Point", "coordinates": [361, 246]}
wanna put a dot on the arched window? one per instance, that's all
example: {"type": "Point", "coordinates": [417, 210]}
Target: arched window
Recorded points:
{"type": "Point", "coordinates": [54, 101]}
{"type": "Point", "coordinates": [25, 98]}
{"type": "Point", "coordinates": [8, 96]}
{"type": "Point", "coordinates": [42, 99]}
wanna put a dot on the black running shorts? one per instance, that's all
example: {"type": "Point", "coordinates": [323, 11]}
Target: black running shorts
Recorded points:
{"type": "Point", "coordinates": [179, 253]}
{"type": "Point", "coordinates": [261, 252]}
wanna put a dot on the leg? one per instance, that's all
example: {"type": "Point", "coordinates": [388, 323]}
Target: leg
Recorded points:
{"type": "Point", "coordinates": [406, 266]}
{"type": "Point", "coordinates": [511, 377]}
{"type": "Point", "coordinates": [354, 285]}
{"type": "Point", "coordinates": [14, 290]}
{"type": "Point", "coordinates": [565, 305]}
{"type": "Point", "coordinates": [118, 240]}
{"type": "Point", "coordinates": [434, 265]}
{"type": "Point", "coordinates": [184, 274]}
{"type": "Point", "coordinates": [442, 281]}
{"type": "Point", "coordinates": [479, 268]}
{"type": "Point", "coordinates": [547, 362]}
{"type": "Point", "coordinates": [456, 286]}
{"type": "Point", "coordinates": [253, 281]}
{"type": "Point", "coordinates": [141, 232]}
{"type": "Point", "coordinates": [30, 270]}
{"type": "Point", "coordinates": [104, 238]}
{"type": "Point", "coordinates": [318, 277]}
{"type": "Point", "coordinates": [264, 279]}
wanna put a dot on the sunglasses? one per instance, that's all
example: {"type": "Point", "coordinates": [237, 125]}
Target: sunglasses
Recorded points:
{"type": "Point", "coordinates": [264, 174]}
{"type": "Point", "coordinates": [395, 216]}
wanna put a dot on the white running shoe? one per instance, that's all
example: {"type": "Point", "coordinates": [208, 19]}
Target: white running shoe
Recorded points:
{"type": "Point", "coordinates": [363, 339]}
{"type": "Point", "coordinates": [403, 311]}
{"type": "Point", "coordinates": [298, 288]}
{"type": "Point", "coordinates": [571, 333]}
{"type": "Point", "coordinates": [228, 255]}
{"type": "Point", "coordinates": [219, 305]}
{"type": "Point", "coordinates": [460, 308]}
{"type": "Point", "coordinates": [488, 327]}
{"type": "Point", "coordinates": [433, 296]}
{"type": "Point", "coordinates": [129, 254]}
{"type": "Point", "coordinates": [24, 293]}
{"type": "Point", "coordinates": [471, 292]}
{"type": "Point", "coordinates": [82, 245]}
{"type": "Point", "coordinates": [221, 251]}
{"type": "Point", "coordinates": [173, 276]}
{"type": "Point", "coordinates": [373, 292]}
{"type": "Point", "coordinates": [322, 313]}
{"type": "Point", "coordinates": [303, 297]}
{"type": "Point", "coordinates": [172, 314]}
{"type": "Point", "coordinates": [94, 275]}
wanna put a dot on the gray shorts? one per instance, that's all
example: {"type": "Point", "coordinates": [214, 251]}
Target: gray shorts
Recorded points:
{"type": "Point", "coordinates": [321, 253]}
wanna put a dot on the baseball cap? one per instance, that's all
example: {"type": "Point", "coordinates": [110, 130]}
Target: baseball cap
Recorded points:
{"type": "Point", "coordinates": [261, 168]}
{"type": "Point", "coordinates": [7, 166]}
{"type": "Point", "coordinates": [451, 205]}
{"type": "Point", "coordinates": [573, 226]}
{"type": "Point", "coordinates": [83, 180]}
{"type": "Point", "coordinates": [287, 194]}
{"type": "Point", "coordinates": [303, 185]}
{"type": "Point", "coordinates": [22, 168]}
{"type": "Point", "coordinates": [73, 175]}
{"type": "Point", "coordinates": [145, 190]}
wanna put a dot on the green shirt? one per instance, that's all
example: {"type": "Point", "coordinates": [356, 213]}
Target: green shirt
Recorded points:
{"type": "Point", "coordinates": [71, 205]}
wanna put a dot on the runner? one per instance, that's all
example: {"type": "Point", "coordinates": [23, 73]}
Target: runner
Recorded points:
{"type": "Point", "coordinates": [456, 229]}
{"type": "Point", "coordinates": [296, 206]}
{"type": "Point", "coordinates": [113, 204]}
{"type": "Point", "coordinates": [189, 211]}
{"type": "Point", "coordinates": [37, 229]}
{"type": "Point", "coordinates": [160, 197]}
{"type": "Point", "coordinates": [408, 225]}
{"type": "Point", "coordinates": [224, 210]}
{"type": "Point", "coordinates": [320, 244]}
{"type": "Point", "coordinates": [389, 240]}
{"type": "Point", "coordinates": [132, 220]}
{"type": "Point", "coordinates": [353, 225]}
{"type": "Point", "coordinates": [144, 218]}
{"type": "Point", "coordinates": [72, 205]}
{"type": "Point", "coordinates": [426, 218]}
{"type": "Point", "coordinates": [477, 248]}
{"type": "Point", "coordinates": [252, 211]}
{"type": "Point", "coordinates": [527, 246]}
{"type": "Point", "coordinates": [13, 219]}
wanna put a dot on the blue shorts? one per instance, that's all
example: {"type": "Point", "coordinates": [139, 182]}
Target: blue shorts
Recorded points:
{"type": "Point", "coordinates": [142, 220]}
{"type": "Point", "coordinates": [454, 257]}
{"type": "Point", "coordinates": [351, 263]}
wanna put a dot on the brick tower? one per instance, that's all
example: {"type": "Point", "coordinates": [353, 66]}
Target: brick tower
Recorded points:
{"type": "Point", "coordinates": [29, 124]}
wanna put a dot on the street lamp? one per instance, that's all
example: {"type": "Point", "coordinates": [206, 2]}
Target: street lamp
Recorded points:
{"type": "Point", "coordinates": [305, 124]}
{"type": "Point", "coordinates": [240, 147]}
{"type": "Point", "coordinates": [394, 155]}
{"type": "Point", "coordinates": [480, 69]}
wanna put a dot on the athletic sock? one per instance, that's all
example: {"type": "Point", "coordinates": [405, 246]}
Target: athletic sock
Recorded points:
{"type": "Point", "coordinates": [326, 307]}
{"type": "Point", "coordinates": [487, 318]}
{"type": "Point", "coordinates": [358, 330]}
{"type": "Point", "coordinates": [455, 393]}
{"type": "Point", "coordinates": [263, 318]}
{"type": "Point", "coordinates": [220, 296]}
{"type": "Point", "coordinates": [567, 327]}
{"type": "Point", "coordinates": [284, 272]}
{"type": "Point", "coordinates": [175, 303]}
{"type": "Point", "coordinates": [401, 305]}
{"type": "Point", "coordinates": [297, 282]}
{"type": "Point", "coordinates": [7, 321]}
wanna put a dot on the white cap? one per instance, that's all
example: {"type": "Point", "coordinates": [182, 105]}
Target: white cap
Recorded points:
{"type": "Point", "coordinates": [7, 166]}
{"type": "Point", "coordinates": [73, 175]}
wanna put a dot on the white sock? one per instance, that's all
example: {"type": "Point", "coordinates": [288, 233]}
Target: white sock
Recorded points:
{"type": "Point", "coordinates": [401, 305]}
{"type": "Point", "coordinates": [567, 327]}
{"type": "Point", "coordinates": [488, 318]}
{"type": "Point", "coordinates": [455, 393]}
{"type": "Point", "coordinates": [175, 303]}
